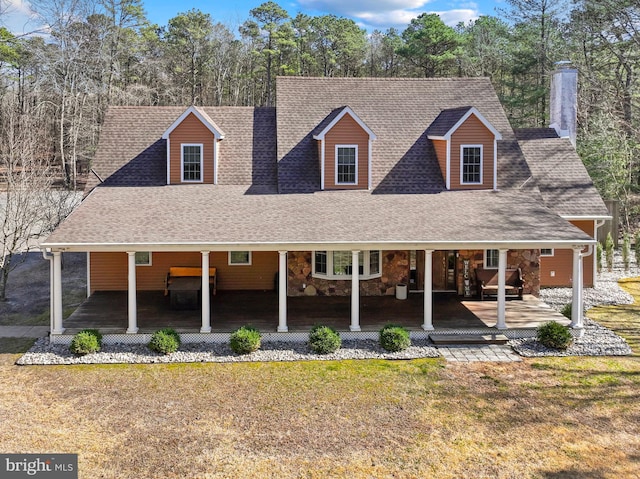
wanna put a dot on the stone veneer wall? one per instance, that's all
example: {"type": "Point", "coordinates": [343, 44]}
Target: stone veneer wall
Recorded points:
{"type": "Point", "coordinates": [395, 270]}
{"type": "Point", "coordinates": [527, 260]}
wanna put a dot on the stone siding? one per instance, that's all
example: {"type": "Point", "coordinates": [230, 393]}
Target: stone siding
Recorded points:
{"type": "Point", "coordinates": [527, 260]}
{"type": "Point", "coordinates": [395, 270]}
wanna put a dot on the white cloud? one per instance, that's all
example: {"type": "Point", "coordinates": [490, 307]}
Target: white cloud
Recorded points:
{"type": "Point", "coordinates": [18, 17]}
{"type": "Point", "coordinates": [391, 13]}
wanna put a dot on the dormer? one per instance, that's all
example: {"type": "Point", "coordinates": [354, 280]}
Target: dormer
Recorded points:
{"type": "Point", "coordinates": [192, 148]}
{"type": "Point", "coordinates": [344, 149]}
{"type": "Point", "coordinates": [466, 147]}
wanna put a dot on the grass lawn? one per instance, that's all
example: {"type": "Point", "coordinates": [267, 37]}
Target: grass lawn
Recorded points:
{"type": "Point", "coordinates": [542, 418]}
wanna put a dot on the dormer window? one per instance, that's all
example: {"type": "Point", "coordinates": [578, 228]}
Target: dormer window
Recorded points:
{"type": "Point", "coordinates": [192, 163]}
{"type": "Point", "coordinates": [346, 164]}
{"type": "Point", "coordinates": [471, 165]}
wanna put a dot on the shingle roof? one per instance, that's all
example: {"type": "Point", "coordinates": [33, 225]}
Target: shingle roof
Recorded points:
{"type": "Point", "coordinates": [221, 215]}
{"type": "Point", "coordinates": [563, 181]}
{"type": "Point", "coordinates": [535, 133]}
{"type": "Point", "coordinates": [131, 151]}
{"type": "Point", "coordinates": [446, 120]}
{"type": "Point", "coordinates": [399, 111]}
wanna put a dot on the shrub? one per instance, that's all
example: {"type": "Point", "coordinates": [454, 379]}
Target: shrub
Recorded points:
{"type": "Point", "coordinates": [245, 340]}
{"type": "Point", "coordinates": [608, 249]}
{"type": "Point", "coordinates": [324, 340]}
{"type": "Point", "coordinates": [394, 338]}
{"type": "Point", "coordinates": [636, 248]}
{"type": "Point", "coordinates": [566, 310]}
{"type": "Point", "coordinates": [554, 335]}
{"type": "Point", "coordinates": [165, 341]}
{"type": "Point", "coordinates": [599, 256]}
{"type": "Point", "coordinates": [86, 341]}
{"type": "Point", "coordinates": [626, 251]}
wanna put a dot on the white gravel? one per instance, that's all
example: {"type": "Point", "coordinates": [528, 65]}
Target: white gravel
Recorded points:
{"type": "Point", "coordinates": [44, 353]}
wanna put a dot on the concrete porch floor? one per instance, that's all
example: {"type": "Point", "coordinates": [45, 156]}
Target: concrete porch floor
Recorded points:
{"type": "Point", "coordinates": [107, 311]}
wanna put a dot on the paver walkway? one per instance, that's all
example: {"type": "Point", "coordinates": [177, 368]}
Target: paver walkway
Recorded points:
{"type": "Point", "coordinates": [482, 352]}
{"type": "Point", "coordinates": [23, 331]}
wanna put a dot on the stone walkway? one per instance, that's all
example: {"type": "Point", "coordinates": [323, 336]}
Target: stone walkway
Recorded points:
{"type": "Point", "coordinates": [471, 353]}
{"type": "Point", "coordinates": [23, 331]}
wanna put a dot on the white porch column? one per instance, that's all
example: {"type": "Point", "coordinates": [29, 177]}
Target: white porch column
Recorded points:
{"type": "Point", "coordinates": [576, 303]}
{"type": "Point", "coordinates": [355, 292]}
{"type": "Point", "coordinates": [206, 294]}
{"type": "Point", "coordinates": [502, 272]}
{"type": "Point", "coordinates": [282, 292]}
{"type": "Point", "coordinates": [56, 291]}
{"type": "Point", "coordinates": [428, 290]}
{"type": "Point", "coordinates": [133, 306]}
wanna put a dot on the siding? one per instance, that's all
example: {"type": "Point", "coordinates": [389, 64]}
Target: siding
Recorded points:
{"type": "Point", "coordinates": [561, 263]}
{"type": "Point", "coordinates": [346, 132]}
{"type": "Point", "coordinates": [191, 130]}
{"type": "Point", "coordinates": [472, 132]}
{"type": "Point", "coordinates": [109, 271]}
{"type": "Point", "coordinates": [440, 147]}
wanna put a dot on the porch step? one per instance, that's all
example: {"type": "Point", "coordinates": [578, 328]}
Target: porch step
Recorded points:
{"type": "Point", "coordinates": [443, 339]}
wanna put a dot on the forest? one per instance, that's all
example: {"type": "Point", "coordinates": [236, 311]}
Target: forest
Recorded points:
{"type": "Point", "coordinates": [55, 86]}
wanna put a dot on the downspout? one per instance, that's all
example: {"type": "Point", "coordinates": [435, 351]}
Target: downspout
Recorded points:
{"type": "Point", "coordinates": [49, 257]}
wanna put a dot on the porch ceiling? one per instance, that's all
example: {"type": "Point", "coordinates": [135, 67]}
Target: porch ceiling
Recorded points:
{"type": "Point", "coordinates": [211, 217]}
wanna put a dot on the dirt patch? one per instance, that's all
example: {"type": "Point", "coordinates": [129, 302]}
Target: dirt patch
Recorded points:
{"type": "Point", "coordinates": [28, 288]}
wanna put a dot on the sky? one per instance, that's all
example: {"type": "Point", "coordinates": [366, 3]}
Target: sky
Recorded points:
{"type": "Point", "coordinates": [368, 14]}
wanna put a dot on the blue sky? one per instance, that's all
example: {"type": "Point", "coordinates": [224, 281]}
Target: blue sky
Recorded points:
{"type": "Point", "coordinates": [369, 14]}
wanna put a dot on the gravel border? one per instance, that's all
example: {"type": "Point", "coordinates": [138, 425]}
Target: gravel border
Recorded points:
{"type": "Point", "coordinates": [43, 353]}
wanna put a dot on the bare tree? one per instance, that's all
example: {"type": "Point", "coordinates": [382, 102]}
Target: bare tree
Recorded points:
{"type": "Point", "coordinates": [29, 205]}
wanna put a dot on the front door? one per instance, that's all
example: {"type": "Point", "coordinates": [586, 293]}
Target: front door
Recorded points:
{"type": "Point", "coordinates": [443, 270]}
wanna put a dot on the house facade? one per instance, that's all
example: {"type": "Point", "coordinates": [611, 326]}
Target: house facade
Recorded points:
{"type": "Point", "coordinates": [417, 181]}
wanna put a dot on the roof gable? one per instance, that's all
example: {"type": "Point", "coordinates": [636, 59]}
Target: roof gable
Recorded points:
{"type": "Point", "coordinates": [448, 121]}
{"type": "Point", "coordinates": [334, 117]}
{"type": "Point", "coordinates": [201, 115]}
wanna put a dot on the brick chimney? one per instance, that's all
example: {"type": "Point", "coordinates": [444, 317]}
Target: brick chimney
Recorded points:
{"type": "Point", "coordinates": [563, 107]}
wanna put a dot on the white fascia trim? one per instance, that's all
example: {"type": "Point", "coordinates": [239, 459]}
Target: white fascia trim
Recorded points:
{"type": "Point", "coordinates": [448, 167]}
{"type": "Point", "coordinates": [168, 161]}
{"type": "Point", "coordinates": [315, 246]}
{"type": "Point", "coordinates": [586, 218]}
{"type": "Point", "coordinates": [369, 163]}
{"type": "Point", "coordinates": [215, 161]}
{"type": "Point", "coordinates": [200, 115]}
{"type": "Point", "coordinates": [471, 111]}
{"type": "Point", "coordinates": [495, 164]}
{"type": "Point", "coordinates": [345, 111]}
{"type": "Point", "coordinates": [182, 180]}
{"type": "Point", "coordinates": [336, 165]}
{"type": "Point", "coordinates": [322, 160]}
{"type": "Point", "coordinates": [474, 183]}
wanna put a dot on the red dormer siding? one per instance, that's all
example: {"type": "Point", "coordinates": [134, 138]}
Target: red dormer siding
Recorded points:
{"type": "Point", "coordinates": [191, 131]}
{"type": "Point", "coordinates": [472, 132]}
{"type": "Point", "coordinates": [346, 132]}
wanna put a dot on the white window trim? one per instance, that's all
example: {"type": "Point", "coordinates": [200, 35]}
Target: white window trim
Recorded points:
{"type": "Point", "coordinates": [239, 264]}
{"type": "Point", "coordinates": [336, 164]}
{"type": "Point", "coordinates": [150, 263]}
{"type": "Point", "coordinates": [329, 275]}
{"type": "Point", "coordinates": [485, 259]}
{"type": "Point", "coordinates": [182, 145]}
{"type": "Point", "coordinates": [462, 147]}
{"type": "Point", "coordinates": [553, 252]}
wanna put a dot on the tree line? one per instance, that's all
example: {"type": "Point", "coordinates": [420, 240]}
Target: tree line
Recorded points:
{"type": "Point", "coordinates": [105, 52]}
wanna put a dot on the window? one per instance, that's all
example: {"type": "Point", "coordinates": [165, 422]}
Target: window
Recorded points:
{"type": "Point", "coordinates": [337, 264]}
{"type": "Point", "coordinates": [546, 252]}
{"type": "Point", "coordinates": [346, 164]}
{"type": "Point", "coordinates": [143, 258]}
{"type": "Point", "coordinates": [239, 257]}
{"type": "Point", "coordinates": [192, 163]}
{"type": "Point", "coordinates": [491, 258]}
{"type": "Point", "coordinates": [471, 167]}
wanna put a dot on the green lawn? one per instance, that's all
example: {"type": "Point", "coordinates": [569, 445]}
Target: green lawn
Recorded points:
{"type": "Point", "coordinates": [542, 418]}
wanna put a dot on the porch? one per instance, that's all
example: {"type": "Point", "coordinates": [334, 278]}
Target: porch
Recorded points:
{"type": "Point", "coordinates": [108, 312]}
